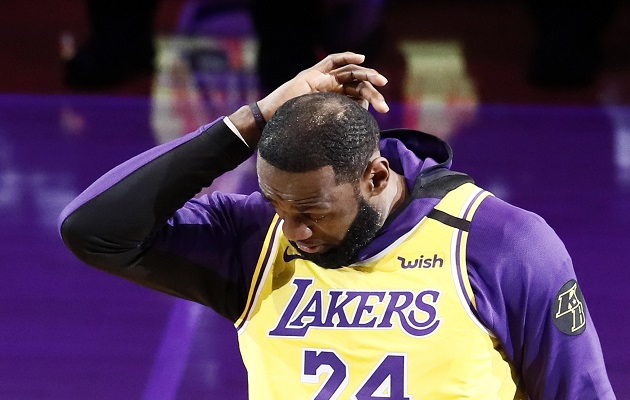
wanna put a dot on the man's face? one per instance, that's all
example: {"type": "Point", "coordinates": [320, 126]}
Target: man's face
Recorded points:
{"type": "Point", "coordinates": [325, 221]}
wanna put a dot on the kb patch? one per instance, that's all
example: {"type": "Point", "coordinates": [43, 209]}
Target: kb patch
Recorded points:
{"type": "Point", "coordinates": [568, 309]}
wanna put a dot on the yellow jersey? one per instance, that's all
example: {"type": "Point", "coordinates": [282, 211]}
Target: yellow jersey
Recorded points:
{"type": "Point", "coordinates": [400, 325]}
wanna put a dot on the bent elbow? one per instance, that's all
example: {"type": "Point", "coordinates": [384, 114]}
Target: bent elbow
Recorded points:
{"type": "Point", "coordinates": [95, 248]}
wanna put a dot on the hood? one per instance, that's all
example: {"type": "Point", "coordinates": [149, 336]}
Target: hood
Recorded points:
{"type": "Point", "coordinates": [422, 144]}
{"type": "Point", "coordinates": [414, 153]}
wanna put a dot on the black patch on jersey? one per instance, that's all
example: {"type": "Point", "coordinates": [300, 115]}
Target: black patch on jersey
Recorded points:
{"type": "Point", "coordinates": [449, 220]}
{"type": "Point", "coordinates": [569, 309]}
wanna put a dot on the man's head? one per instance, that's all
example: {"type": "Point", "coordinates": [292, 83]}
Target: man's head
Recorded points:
{"type": "Point", "coordinates": [320, 167]}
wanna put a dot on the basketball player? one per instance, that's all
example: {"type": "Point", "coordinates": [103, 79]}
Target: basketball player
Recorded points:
{"type": "Point", "coordinates": [363, 268]}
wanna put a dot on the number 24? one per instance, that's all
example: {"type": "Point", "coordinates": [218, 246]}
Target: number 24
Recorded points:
{"type": "Point", "coordinates": [388, 380]}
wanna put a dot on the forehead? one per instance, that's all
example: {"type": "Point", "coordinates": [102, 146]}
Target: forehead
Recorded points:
{"type": "Point", "coordinates": [301, 187]}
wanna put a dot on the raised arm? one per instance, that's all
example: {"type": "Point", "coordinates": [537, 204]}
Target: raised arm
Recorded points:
{"type": "Point", "coordinates": [138, 220]}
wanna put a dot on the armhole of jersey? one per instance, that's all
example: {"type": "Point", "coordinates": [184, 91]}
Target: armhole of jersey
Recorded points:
{"type": "Point", "coordinates": [469, 200]}
{"type": "Point", "coordinates": [467, 213]}
{"type": "Point", "coordinates": [267, 254]}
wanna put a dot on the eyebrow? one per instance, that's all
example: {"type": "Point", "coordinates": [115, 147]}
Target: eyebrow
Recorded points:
{"type": "Point", "coordinates": [318, 205]}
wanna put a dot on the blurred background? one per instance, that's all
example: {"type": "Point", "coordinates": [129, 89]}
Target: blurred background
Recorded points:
{"type": "Point", "coordinates": [532, 96]}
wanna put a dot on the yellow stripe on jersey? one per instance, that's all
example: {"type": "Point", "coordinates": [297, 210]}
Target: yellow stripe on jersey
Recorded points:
{"type": "Point", "coordinates": [263, 260]}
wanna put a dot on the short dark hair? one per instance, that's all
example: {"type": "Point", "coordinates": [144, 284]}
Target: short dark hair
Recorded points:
{"type": "Point", "coordinates": [320, 129]}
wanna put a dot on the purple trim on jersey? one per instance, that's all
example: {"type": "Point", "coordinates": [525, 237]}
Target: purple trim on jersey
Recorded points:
{"type": "Point", "coordinates": [460, 278]}
{"type": "Point", "coordinates": [259, 279]}
{"type": "Point", "coordinates": [458, 255]}
{"type": "Point", "coordinates": [470, 205]}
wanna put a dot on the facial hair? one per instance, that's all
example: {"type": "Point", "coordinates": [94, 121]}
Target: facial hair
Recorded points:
{"type": "Point", "coordinates": [361, 232]}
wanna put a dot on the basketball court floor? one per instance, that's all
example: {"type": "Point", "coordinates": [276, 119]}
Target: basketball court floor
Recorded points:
{"type": "Point", "coordinates": [70, 332]}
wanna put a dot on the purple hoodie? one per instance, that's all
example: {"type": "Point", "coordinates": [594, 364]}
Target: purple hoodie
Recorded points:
{"type": "Point", "coordinates": [145, 221]}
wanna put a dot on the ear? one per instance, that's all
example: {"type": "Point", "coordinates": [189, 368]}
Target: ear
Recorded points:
{"type": "Point", "coordinates": [376, 176]}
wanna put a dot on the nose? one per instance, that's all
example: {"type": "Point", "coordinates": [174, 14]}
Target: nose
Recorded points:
{"type": "Point", "coordinates": [295, 229]}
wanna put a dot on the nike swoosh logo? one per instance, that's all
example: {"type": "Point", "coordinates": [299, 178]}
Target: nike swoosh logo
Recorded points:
{"type": "Point", "coordinates": [289, 257]}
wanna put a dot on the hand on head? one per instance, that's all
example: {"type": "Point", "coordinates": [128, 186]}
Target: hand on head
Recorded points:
{"type": "Point", "coordinates": [340, 73]}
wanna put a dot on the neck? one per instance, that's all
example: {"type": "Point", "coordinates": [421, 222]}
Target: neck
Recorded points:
{"type": "Point", "coordinates": [395, 194]}
{"type": "Point", "coordinates": [401, 192]}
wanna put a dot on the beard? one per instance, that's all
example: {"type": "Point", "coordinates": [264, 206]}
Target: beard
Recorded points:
{"type": "Point", "coordinates": [361, 232]}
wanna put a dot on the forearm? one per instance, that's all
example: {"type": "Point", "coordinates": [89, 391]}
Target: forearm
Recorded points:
{"type": "Point", "coordinates": [108, 223]}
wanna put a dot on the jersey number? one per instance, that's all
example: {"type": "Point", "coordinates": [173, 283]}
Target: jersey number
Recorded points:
{"type": "Point", "coordinates": [388, 380]}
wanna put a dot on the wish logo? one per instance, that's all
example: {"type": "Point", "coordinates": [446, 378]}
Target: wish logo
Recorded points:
{"type": "Point", "coordinates": [286, 257]}
{"type": "Point", "coordinates": [568, 309]}
{"type": "Point", "coordinates": [421, 262]}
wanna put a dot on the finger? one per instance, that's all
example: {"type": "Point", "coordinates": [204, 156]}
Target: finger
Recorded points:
{"type": "Point", "coordinates": [365, 90]}
{"type": "Point", "coordinates": [334, 61]}
{"type": "Point", "coordinates": [363, 103]}
{"type": "Point", "coordinates": [351, 73]}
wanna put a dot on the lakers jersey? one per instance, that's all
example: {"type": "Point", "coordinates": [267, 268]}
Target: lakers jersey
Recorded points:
{"type": "Point", "coordinates": [400, 325]}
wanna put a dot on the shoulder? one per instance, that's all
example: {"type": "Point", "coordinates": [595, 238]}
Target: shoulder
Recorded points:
{"type": "Point", "coordinates": [515, 261]}
{"type": "Point", "coordinates": [500, 230]}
